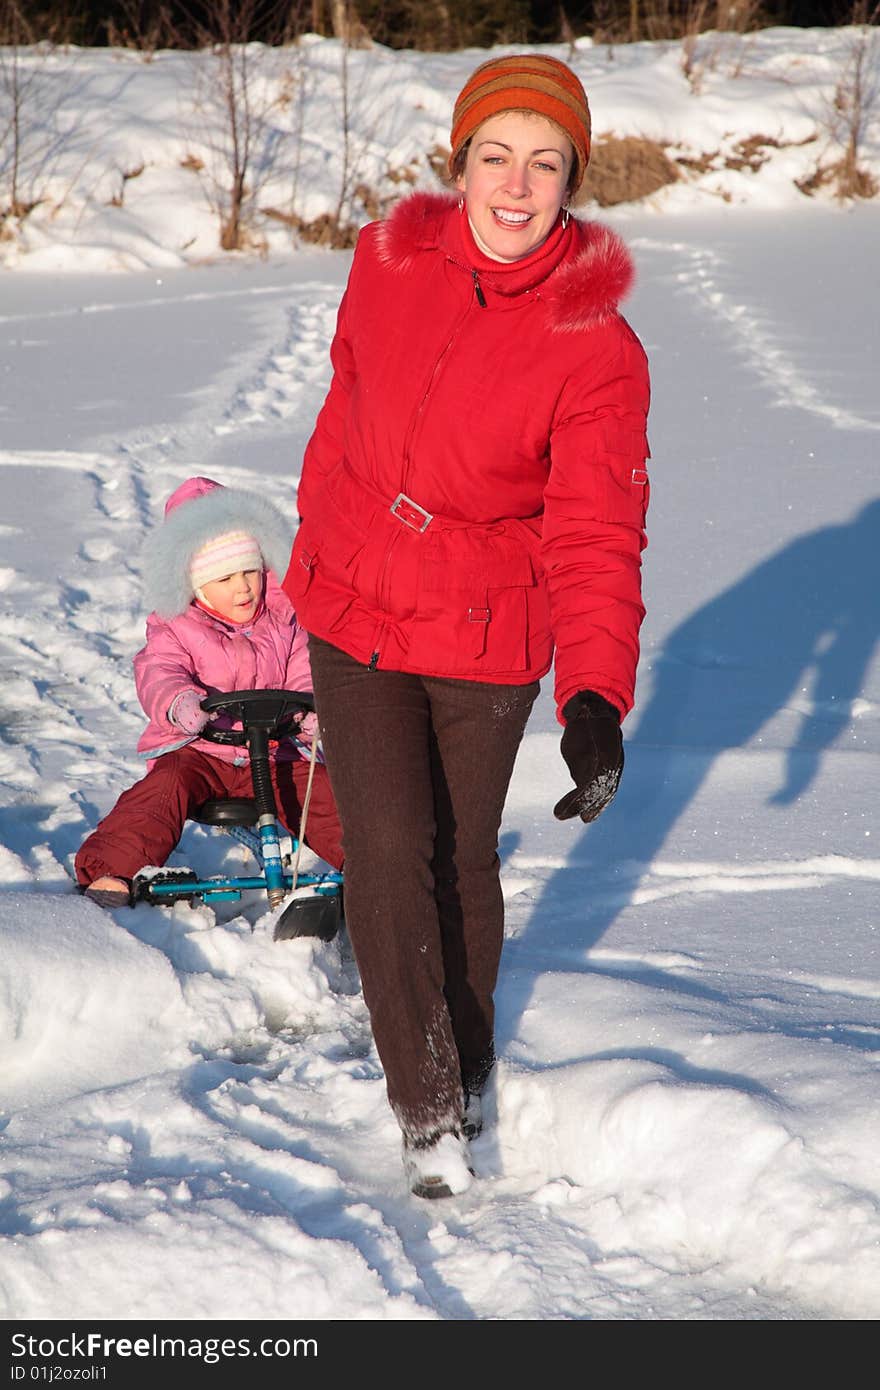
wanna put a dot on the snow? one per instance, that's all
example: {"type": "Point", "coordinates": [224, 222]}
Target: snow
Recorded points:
{"type": "Point", "coordinates": [684, 1119]}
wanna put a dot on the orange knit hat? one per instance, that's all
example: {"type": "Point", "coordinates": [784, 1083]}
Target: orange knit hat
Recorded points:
{"type": "Point", "coordinates": [525, 82]}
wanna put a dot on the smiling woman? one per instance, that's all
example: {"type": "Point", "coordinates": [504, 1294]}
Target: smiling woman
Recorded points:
{"type": "Point", "coordinates": [473, 495]}
{"type": "Point", "coordinates": [514, 183]}
{"type": "Point", "coordinates": [520, 148]}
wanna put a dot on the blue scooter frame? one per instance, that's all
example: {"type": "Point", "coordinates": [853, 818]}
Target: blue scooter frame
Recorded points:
{"type": "Point", "coordinates": [265, 716]}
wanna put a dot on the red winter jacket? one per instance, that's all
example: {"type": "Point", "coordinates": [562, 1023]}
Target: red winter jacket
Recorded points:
{"type": "Point", "coordinates": [474, 491]}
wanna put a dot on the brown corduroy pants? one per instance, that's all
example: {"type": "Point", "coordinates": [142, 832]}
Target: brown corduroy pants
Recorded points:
{"type": "Point", "coordinates": [420, 767]}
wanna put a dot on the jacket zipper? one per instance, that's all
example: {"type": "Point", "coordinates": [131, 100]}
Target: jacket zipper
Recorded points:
{"type": "Point", "coordinates": [414, 423]}
{"type": "Point", "coordinates": [417, 414]}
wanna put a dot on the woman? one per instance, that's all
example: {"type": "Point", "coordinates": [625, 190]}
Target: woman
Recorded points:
{"type": "Point", "coordinates": [473, 495]}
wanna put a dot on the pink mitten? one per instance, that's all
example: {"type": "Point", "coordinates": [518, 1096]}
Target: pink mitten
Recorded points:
{"type": "Point", "coordinates": [187, 713]}
{"type": "Point", "coordinates": [307, 727]}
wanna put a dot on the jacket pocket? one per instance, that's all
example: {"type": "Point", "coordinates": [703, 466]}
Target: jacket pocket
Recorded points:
{"type": "Point", "coordinates": [303, 559]}
{"type": "Point", "coordinates": [327, 543]}
{"type": "Point", "coordinates": [625, 488]}
{"type": "Point", "coordinates": [472, 607]}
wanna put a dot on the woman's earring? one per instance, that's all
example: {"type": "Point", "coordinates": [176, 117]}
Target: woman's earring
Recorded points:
{"type": "Point", "coordinates": [566, 213]}
{"type": "Point", "coordinates": [461, 204]}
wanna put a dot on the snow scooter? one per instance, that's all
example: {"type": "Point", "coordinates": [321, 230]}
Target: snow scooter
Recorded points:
{"type": "Point", "coordinates": [316, 908]}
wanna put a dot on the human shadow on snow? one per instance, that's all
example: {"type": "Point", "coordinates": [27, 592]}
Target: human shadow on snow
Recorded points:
{"type": "Point", "coordinates": [797, 633]}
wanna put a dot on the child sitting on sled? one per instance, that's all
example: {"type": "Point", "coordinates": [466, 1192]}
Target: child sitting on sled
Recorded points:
{"type": "Point", "coordinates": [220, 622]}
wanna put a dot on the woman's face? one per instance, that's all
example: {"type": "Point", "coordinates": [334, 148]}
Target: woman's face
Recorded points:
{"type": "Point", "coordinates": [514, 182]}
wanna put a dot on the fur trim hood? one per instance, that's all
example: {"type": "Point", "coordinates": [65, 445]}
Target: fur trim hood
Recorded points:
{"type": "Point", "coordinates": [582, 284]}
{"type": "Point", "coordinates": [199, 510]}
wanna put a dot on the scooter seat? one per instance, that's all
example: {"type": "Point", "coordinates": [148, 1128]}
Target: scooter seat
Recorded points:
{"type": "Point", "coordinates": [239, 810]}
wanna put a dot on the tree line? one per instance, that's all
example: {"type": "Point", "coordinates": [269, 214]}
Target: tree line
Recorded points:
{"type": "Point", "coordinates": [427, 25]}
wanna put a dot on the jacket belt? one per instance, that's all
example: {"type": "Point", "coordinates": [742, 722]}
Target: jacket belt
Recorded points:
{"type": "Point", "coordinates": [410, 513]}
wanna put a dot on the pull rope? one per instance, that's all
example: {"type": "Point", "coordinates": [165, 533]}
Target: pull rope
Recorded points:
{"type": "Point", "coordinates": [305, 810]}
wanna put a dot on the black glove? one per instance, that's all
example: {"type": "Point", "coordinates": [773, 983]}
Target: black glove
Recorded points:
{"type": "Point", "coordinates": [592, 746]}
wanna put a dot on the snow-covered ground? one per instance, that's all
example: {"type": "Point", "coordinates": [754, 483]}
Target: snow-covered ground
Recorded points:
{"type": "Point", "coordinates": [126, 161]}
{"type": "Point", "coordinates": [684, 1124]}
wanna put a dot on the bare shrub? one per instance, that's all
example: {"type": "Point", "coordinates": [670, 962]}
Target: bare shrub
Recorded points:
{"type": "Point", "coordinates": [354, 149]}
{"type": "Point", "coordinates": [29, 132]}
{"type": "Point", "coordinates": [751, 153]}
{"type": "Point", "coordinates": [438, 160]}
{"type": "Point", "coordinates": [862, 184]}
{"type": "Point", "coordinates": [17, 83]}
{"type": "Point", "coordinates": [855, 104]}
{"type": "Point", "coordinates": [322, 230]}
{"type": "Point", "coordinates": [55, 25]}
{"type": "Point", "coordinates": [634, 21]}
{"type": "Point", "coordinates": [622, 170]}
{"type": "Point", "coordinates": [703, 51]}
{"type": "Point", "coordinates": [347, 24]}
{"type": "Point", "coordinates": [328, 230]}
{"type": "Point", "coordinates": [852, 109]}
{"type": "Point", "coordinates": [355, 126]}
{"type": "Point", "coordinates": [695, 22]}
{"type": "Point", "coordinates": [236, 98]}
{"type": "Point", "coordinates": [701, 163]}
{"type": "Point", "coordinates": [738, 16]}
{"type": "Point", "coordinates": [609, 24]}
{"type": "Point", "coordinates": [143, 26]}
{"type": "Point", "coordinates": [125, 175]}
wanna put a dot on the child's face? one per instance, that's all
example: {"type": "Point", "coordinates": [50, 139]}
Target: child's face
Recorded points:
{"type": "Point", "coordinates": [236, 596]}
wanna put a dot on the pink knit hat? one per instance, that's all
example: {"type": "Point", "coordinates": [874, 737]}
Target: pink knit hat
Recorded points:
{"type": "Point", "coordinates": [226, 554]}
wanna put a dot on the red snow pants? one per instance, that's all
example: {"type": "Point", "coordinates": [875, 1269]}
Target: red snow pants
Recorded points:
{"type": "Point", "coordinates": [420, 767]}
{"type": "Point", "coordinates": [147, 821]}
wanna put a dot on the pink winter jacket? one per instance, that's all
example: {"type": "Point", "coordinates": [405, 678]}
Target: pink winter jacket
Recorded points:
{"type": "Point", "coordinates": [194, 650]}
{"type": "Point", "coordinates": [198, 652]}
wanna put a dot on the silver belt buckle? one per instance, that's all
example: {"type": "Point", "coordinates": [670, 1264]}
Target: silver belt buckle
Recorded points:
{"type": "Point", "coordinates": [410, 513]}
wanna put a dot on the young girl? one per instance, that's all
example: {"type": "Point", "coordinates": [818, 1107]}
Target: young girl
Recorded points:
{"type": "Point", "coordinates": [220, 622]}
